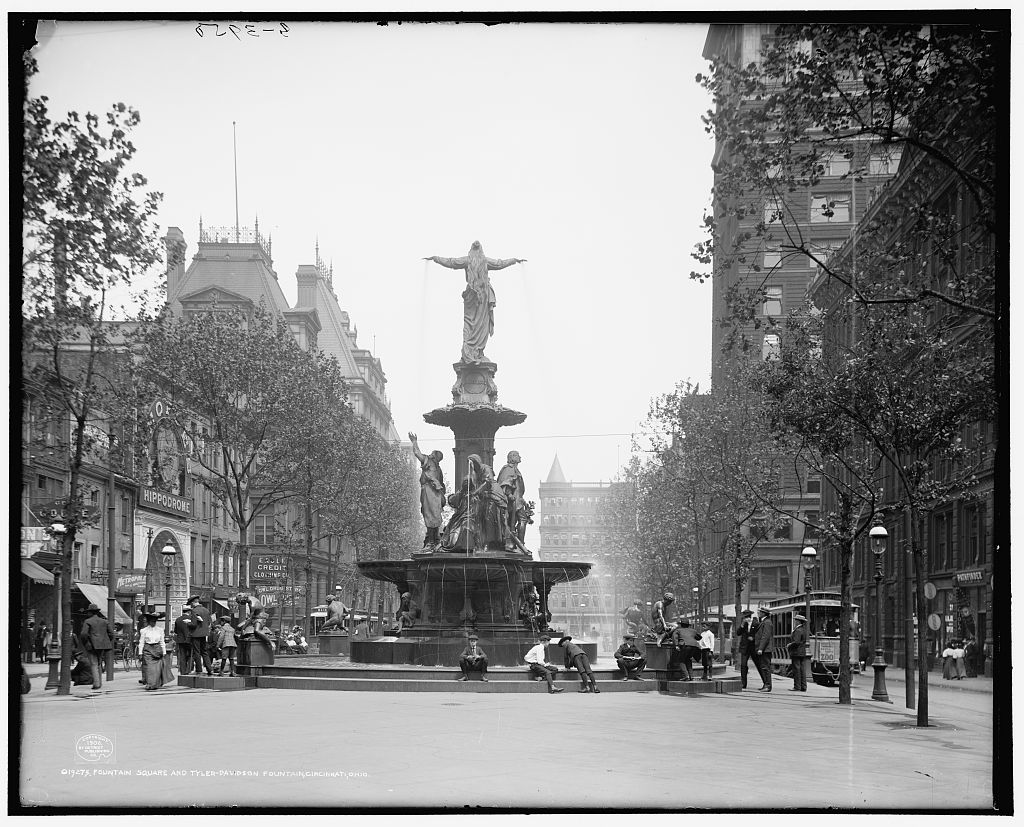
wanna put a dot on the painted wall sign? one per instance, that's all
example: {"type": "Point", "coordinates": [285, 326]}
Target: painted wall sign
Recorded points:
{"type": "Point", "coordinates": [268, 567]}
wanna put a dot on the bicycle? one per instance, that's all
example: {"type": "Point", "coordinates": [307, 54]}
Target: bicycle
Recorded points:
{"type": "Point", "coordinates": [129, 657]}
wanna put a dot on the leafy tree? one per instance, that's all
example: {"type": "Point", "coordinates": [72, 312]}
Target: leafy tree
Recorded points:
{"type": "Point", "coordinates": [87, 235]}
{"type": "Point", "coordinates": [266, 399]}
{"type": "Point", "coordinates": [865, 94]}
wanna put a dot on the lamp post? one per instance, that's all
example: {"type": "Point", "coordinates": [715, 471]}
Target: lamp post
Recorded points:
{"type": "Point", "coordinates": [57, 532]}
{"type": "Point", "coordinates": [696, 605]}
{"type": "Point", "coordinates": [809, 556]}
{"type": "Point", "coordinates": [167, 554]}
{"type": "Point", "coordinates": [879, 536]}
{"type": "Point", "coordinates": [149, 549]}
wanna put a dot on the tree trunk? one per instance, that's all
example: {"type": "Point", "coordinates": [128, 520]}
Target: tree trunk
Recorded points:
{"type": "Point", "coordinates": [243, 560]}
{"type": "Point", "coordinates": [921, 609]}
{"type": "Point", "coordinates": [847, 548]}
{"type": "Point", "coordinates": [309, 569]}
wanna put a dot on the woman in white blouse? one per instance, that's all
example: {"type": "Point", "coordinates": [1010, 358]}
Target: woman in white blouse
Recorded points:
{"type": "Point", "coordinates": [152, 651]}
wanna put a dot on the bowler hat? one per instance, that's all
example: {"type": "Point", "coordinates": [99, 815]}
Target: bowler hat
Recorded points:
{"type": "Point", "coordinates": [148, 615]}
{"type": "Point", "coordinates": [92, 607]}
{"type": "Point", "coordinates": [747, 613]}
{"type": "Point", "coordinates": [544, 637]}
{"type": "Point", "coordinates": [564, 638]}
{"type": "Point", "coordinates": [194, 597]}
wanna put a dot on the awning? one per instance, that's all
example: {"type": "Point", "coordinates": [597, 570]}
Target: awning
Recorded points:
{"type": "Point", "coordinates": [36, 572]}
{"type": "Point", "coordinates": [98, 595]}
{"type": "Point", "coordinates": [224, 606]}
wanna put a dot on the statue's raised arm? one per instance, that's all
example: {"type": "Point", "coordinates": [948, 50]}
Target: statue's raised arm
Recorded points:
{"type": "Point", "coordinates": [478, 298]}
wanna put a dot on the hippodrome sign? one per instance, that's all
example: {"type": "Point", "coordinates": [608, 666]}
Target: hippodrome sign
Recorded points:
{"type": "Point", "coordinates": [156, 500]}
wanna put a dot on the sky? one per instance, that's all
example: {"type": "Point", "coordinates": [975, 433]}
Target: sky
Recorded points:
{"type": "Point", "coordinates": [578, 147]}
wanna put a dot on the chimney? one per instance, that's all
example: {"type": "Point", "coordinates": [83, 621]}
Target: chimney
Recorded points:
{"type": "Point", "coordinates": [174, 244]}
{"type": "Point", "coordinates": [306, 276]}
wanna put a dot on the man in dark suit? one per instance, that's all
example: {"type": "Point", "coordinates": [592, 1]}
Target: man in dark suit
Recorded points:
{"type": "Point", "coordinates": [686, 643]}
{"type": "Point", "coordinates": [576, 657]}
{"type": "Point", "coordinates": [473, 659]}
{"type": "Point", "coordinates": [745, 644]}
{"type": "Point", "coordinates": [629, 658]}
{"type": "Point", "coordinates": [798, 653]}
{"type": "Point", "coordinates": [96, 640]}
{"type": "Point", "coordinates": [200, 632]}
{"type": "Point", "coordinates": [763, 648]}
{"type": "Point", "coordinates": [183, 639]}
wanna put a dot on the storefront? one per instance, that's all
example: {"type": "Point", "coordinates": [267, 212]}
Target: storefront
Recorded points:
{"type": "Point", "coordinates": [163, 520]}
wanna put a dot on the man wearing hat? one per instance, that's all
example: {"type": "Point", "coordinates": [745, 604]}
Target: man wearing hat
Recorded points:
{"type": "Point", "coordinates": [539, 667]}
{"type": "Point", "coordinates": [630, 659]}
{"type": "Point", "coordinates": [576, 657]}
{"type": "Point", "coordinates": [763, 648]}
{"type": "Point", "coordinates": [664, 616]}
{"type": "Point", "coordinates": [473, 659]}
{"type": "Point", "coordinates": [200, 633]}
{"type": "Point", "coordinates": [96, 640]}
{"type": "Point", "coordinates": [798, 653]}
{"type": "Point", "coordinates": [745, 644]}
{"type": "Point", "coordinates": [183, 639]}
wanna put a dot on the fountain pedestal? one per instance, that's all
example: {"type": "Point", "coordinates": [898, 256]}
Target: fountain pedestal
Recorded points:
{"type": "Point", "coordinates": [452, 595]}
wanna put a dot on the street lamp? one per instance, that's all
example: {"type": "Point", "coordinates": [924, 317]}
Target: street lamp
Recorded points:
{"type": "Point", "coordinates": [879, 536]}
{"type": "Point", "coordinates": [167, 555]}
{"type": "Point", "coordinates": [809, 556]}
{"type": "Point", "coordinates": [57, 532]}
{"type": "Point", "coordinates": [697, 607]}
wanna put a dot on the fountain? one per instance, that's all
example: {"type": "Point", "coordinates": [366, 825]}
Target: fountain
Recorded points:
{"type": "Point", "coordinates": [477, 574]}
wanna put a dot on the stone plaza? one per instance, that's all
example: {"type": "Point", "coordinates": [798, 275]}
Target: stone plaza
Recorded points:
{"type": "Point", "coordinates": [526, 752]}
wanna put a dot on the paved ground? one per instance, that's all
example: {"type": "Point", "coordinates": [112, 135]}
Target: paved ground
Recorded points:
{"type": "Point", "coordinates": [332, 749]}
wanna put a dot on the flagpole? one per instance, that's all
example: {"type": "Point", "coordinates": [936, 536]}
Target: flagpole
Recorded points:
{"type": "Point", "coordinates": [234, 141]}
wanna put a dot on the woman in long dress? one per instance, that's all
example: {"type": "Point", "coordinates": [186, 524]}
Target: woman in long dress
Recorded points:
{"type": "Point", "coordinates": [152, 650]}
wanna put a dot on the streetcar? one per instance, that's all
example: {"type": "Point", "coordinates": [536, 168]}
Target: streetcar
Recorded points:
{"type": "Point", "coordinates": [822, 638]}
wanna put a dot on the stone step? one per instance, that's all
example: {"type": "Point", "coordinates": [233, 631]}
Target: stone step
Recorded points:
{"type": "Point", "coordinates": [698, 687]}
{"type": "Point", "coordinates": [496, 674]}
{"type": "Point", "coordinates": [385, 684]}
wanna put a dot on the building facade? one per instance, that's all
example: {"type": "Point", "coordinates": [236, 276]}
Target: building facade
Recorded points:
{"type": "Point", "coordinates": [822, 217]}
{"type": "Point", "coordinates": [575, 526]}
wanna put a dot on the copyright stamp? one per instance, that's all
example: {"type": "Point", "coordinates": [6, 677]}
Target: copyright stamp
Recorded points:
{"type": "Point", "coordinates": [94, 749]}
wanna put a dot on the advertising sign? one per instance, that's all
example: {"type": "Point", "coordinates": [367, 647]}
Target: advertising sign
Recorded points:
{"type": "Point", "coordinates": [155, 500]}
{"type": "Point", "coordinates": [268, 567]}
{"type": "Point", "coordinates": [132, 581]}
{"type": "Point", "coordinates": [268, 599]}
{"type": "Point", "coordinates": [966, 578]}
{"type": "Point", "coordinates": [827, 651]}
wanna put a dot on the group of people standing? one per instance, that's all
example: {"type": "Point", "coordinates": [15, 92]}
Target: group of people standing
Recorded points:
{"type": "Point", "coordinates": [755, 643]}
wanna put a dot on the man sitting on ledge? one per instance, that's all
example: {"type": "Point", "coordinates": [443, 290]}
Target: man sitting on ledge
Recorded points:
{"type": "Point", "coordinates": [473, 659]}
{"type": "Point", "coordinates": [630, 660]}
{"type": "Point", "coordinates": [539, 667]}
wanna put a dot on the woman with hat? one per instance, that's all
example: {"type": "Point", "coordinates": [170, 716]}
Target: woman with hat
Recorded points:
{"type": "Point", "coordinates": [152, 651]}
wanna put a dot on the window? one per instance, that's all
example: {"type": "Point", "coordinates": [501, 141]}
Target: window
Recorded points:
{"type": "Point", "coordinates": [772, 258]}
{"type": "Point", "coordinates": [126, 558]}
{"type": "Point", "coordinates": [125, 515]}
{"type": "Point", "coordinates": [770, 346]}
{"type": "Point", "coordinates": [94, 557]}
{"type": "Point", "coordinates": [773, 301]}
{"type": "Point", "coordinates": [784, 579]}
{"type": "Point", "coordinates": [940, 544]}
{"type": "Point", "coordinates": [884, 163]}
{"type": "Point", "coordinates": [772, 210]}
{"type": "Point", "coordinates": [755, 581]}
{"type": "Point", "coordinates": [814, 484]}
{"type": "Point", "coordinates": [811, 531]}
{"type": "Point", "coordinates": [204, 560]}
{"type": "Point", "coordinates": [838, 164]}
{"type": "Point", "coordinates": [263, 527]}
{"type": "Point", "coordinates": [830, 207]}
{"type": "Point", "coordinates": [784, 531]}
{"type": "Point", "coordinates": [821, 249]}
